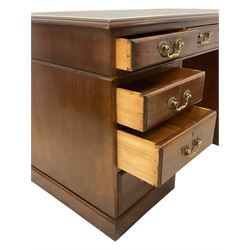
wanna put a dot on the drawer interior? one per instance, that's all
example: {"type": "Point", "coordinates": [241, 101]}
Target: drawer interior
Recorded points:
{"type": "Point", "coordinates": [163, 81]}
{"type": "Point", "coordinates": [174, 126]}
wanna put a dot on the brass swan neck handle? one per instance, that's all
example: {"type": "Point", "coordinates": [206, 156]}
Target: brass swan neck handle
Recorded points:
{"type": "Point", "coordinates": [205, 38]}
{"type": "Point", "coordinates": [173, 104]}
{"type": "Point", "coordinates": [166, 50]}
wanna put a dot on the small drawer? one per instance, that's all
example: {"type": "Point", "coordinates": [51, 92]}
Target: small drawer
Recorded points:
{"type": "Point", "coordinates": [141, 52]}
{"type": "Point", "coordinates": [155, 156]}
{"type": "Point", "coordinates": [144, 104]}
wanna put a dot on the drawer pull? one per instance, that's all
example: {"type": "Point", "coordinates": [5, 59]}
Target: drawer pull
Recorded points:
{"type": "Point", "coordinates": [165, 49]}
{"type": "Point", "coordinates": [190, 152]}
{"type": "Point", "coordinates": [172, 103]}
{"type": "Point", "coordinates": [205, 38]}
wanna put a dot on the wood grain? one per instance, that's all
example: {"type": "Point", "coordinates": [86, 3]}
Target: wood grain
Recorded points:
{"type": "Point", "coordinates": [72, 46]}
{"type": "Point", "coordinates": [73, 134]}
{"type": "Point", "coordinates": [123, 49]}
{"type": "Point", "coordinates": [130, 108]}
{"type": "Point", "coordinates": [138, 157]}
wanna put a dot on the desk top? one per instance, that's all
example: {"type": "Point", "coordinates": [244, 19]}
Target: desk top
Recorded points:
{"type": "Point", "coordinates": [124, 17]}
{"type": "Point", "coordinates": [119, 15]}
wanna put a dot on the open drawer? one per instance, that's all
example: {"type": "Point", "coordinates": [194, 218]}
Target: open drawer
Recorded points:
{"type": "Point", "coordinates": [144, 104]}
{"type": "Point", "coordinates": [134, 53]}
{"type": "Point", "coordinates": [155, 156]}
{"type": "Point", "coordinates": [140, 52]}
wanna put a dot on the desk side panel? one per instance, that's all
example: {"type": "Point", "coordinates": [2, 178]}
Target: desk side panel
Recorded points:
{"type": "Point", "coordinates": [87, 49]}
{"type": "Point", "coordinates": [73, 133]}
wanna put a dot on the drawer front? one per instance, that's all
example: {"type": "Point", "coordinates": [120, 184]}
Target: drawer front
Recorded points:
{"type": "Point", "coordinates": [137, 53]}
{"type": "Point", "coordinates": [131, 189]}
{"type": "Point", "coordinates": [176, 153]}
{"type": "Point", "coordinates": [158, 154]}
{"type": "Point", "coordinates": [142, 105]}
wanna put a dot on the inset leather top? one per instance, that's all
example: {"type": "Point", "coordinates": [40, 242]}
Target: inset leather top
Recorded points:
{"type": "Point", "coordinates": [123, 17]}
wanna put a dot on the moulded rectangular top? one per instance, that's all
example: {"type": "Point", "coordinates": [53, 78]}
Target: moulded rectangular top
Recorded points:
{"type": "Point", "coordinates": [124, 17]}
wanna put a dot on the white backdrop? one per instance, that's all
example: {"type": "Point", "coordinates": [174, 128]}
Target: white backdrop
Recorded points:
{"type": "Point", "coordinates": [208, 209]}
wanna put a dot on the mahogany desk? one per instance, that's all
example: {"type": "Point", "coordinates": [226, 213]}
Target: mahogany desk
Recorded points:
{"type": "Point", "coordinates": [121, 100]}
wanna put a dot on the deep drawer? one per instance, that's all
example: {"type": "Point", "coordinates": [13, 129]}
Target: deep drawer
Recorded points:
{"type": "Point", "coordinates": [157, 155]}
{"type": "Point", "coordinates": [144, 104]}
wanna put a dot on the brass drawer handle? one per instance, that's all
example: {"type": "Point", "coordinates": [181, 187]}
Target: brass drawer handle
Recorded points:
{"type": "Point", "coordinates": [166, 51]}
{"type": "Point", "coordinates": [172, 103]}
{"type": "Point", "coordinates": [205, 38]}
{"type": "Point", "coordinates": [191, 152]}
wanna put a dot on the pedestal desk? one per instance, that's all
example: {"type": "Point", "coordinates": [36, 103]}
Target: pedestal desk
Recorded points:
{"type": "Point", "coordinates": [121, 101]}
